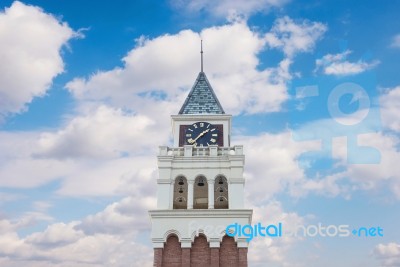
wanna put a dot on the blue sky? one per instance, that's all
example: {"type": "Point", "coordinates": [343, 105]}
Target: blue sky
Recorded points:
{"type": "Point", "coordinates": [86, 91]}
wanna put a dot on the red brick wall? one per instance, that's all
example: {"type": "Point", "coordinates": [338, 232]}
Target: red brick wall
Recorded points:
{"type": "Point", "coordinates": [242, 257]}
{"type": "Point", "coordinates": [214, 257]}
{"type": "Point", "coordinates": [172, 254]}
{"type": "Point", "coordinates": [158, 257]}
{"type": "Point", "coordinates": [201, 253]}
{"type": "Point", "coordinates": [228, 252]}
{"type": "Point", "coordinates": [185, 257]}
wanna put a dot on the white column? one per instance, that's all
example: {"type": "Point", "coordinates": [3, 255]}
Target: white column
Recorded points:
{"type": "Point", "coordinates": [190, 195]}
{"type": "Point", "coordinates": [171, 195]}
{"type": "Point", "coordinates": [210, 194]}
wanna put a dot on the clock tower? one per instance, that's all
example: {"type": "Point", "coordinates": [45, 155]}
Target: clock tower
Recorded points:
{"type": "Point", "coordinates": [200, 188]}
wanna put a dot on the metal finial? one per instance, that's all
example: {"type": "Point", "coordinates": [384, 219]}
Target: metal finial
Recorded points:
{"type": "Point", "coordinates": [201, 52]}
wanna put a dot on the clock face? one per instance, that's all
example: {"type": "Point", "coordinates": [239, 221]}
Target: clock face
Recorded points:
{"type": "Point", "coordinates": [201, 134]}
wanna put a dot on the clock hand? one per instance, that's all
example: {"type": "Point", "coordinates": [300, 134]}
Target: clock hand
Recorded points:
{"type": "Point", "coordinates": [200, 135]}
{"type": "Point", "coordinates": [194, 140]}
{"type": "Point", "coordinates": [204, 132]}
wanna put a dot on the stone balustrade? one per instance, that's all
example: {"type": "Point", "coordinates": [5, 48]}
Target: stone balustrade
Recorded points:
{"type": "Point", "coordinates": [191, 151]}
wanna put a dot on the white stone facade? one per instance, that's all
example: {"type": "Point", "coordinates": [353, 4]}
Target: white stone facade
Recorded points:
{"type": "Point", "coordinates": [214, 164]}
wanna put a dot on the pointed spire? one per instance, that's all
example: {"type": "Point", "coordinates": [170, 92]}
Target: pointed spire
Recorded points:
{"type": "Point", "coordinates": [201, 53]}
{"type": "Point", "coordinates": [201, 99]}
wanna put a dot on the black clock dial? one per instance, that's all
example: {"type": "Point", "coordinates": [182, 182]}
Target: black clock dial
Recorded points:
{"type": "Point", "coordinates": [201, 134]}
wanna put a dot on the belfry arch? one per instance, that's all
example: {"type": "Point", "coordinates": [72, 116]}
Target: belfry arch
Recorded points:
{"type": "Point", "coordinates": [200, 193]}
{"type": "Point", "coordinates": [221, 194]}
{"type": "Point", "coordinates": [180, 195]}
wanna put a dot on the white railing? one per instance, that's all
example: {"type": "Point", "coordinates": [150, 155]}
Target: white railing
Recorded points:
{"type": "Point", "coordinates": [190, 151]}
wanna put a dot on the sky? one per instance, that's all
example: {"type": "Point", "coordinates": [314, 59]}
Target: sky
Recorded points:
{"type": "Point", "coordinates": [86, 93]}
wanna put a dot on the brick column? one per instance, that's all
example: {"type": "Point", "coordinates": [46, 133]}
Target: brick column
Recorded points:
{"type": "Point", "coordinates": [242, 257]}
{"type": "Point", "coordinates": [214, 257]}
{"type": "Point", "coordinates": [158, 257]}
{"type": "Point", "coordinates": [185, 257]}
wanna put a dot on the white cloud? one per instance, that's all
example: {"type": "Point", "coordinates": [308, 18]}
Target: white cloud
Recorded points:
{"type": "Point", "coordinates": [396, 41]}
{"type": "Point", "coordinates": [226, 8]}
{"type": "Point", "coordinates": [104, 133]}
{"type": "Point", "coordinates": [9, 197]}
{"type": "Point", "coordinates": [160, 71]}
{"type": "Point", "coordinates": [58, 234]}
{"type": "Point", "coordinates": [388, 254]}
{"type": "Point", "coordinates": [386, 173]}
{"type": "Point", "coordinates": [166, 67]}
{"type": "Point", "coordinates": [277, 169]}
{"type": "Point", "coordinates": [30, 172]}
{"type": "Point", "coordinates": [128, 216]}
{"type": "Point", "coordinates": [41, 206]}
{"type": "Point", "coordinates": [106, 147]}
{"type": "Point", "coordinates": [294, 37]}
{"type": "Point", "coordinates": [61, 245]}
{"type": "Point", "coordinates": [390, 109]}
{"type": "Point", "coordinates": [263, 250]}
{"type": "Point", "coordinates": [110, 177]}
{"type": "Point", "coordinates": [111, 237]}
{"type": "Point", "coordinates": [346, 177]}
{"type": "Point", "coordinates": [30, 46]}
{"type": "Point", "coordinates": [336, 64]}
{"type": "Point", "coordinates": [281, 168]}
{"type": "Point", "coordinates": [77, 176]}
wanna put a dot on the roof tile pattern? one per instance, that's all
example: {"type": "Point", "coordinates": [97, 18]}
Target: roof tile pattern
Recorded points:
{"type": "Point", "coordinates": [201, 99]}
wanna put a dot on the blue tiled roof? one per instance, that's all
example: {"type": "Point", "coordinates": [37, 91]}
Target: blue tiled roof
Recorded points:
{"type": "Point", "coordinates": [201, 99]}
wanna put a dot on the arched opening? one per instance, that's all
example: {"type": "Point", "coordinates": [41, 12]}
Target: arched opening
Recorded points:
{"type": "Point", "coordinates": [228, 252]}
{"type": "Point", "coordinates": [221, 193]}
{"type": "Point", "coordinates": [172, 252]}
{"type": "Point", "coordinates": [200, 255]}
{"type": "Point", "coordinates": [200, 193]}
{"type": "Point", "coordinates": [180, 193]}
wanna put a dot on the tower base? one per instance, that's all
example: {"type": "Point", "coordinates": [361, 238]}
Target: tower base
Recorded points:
{"type": "Point", "coordinates": [200, 254]}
